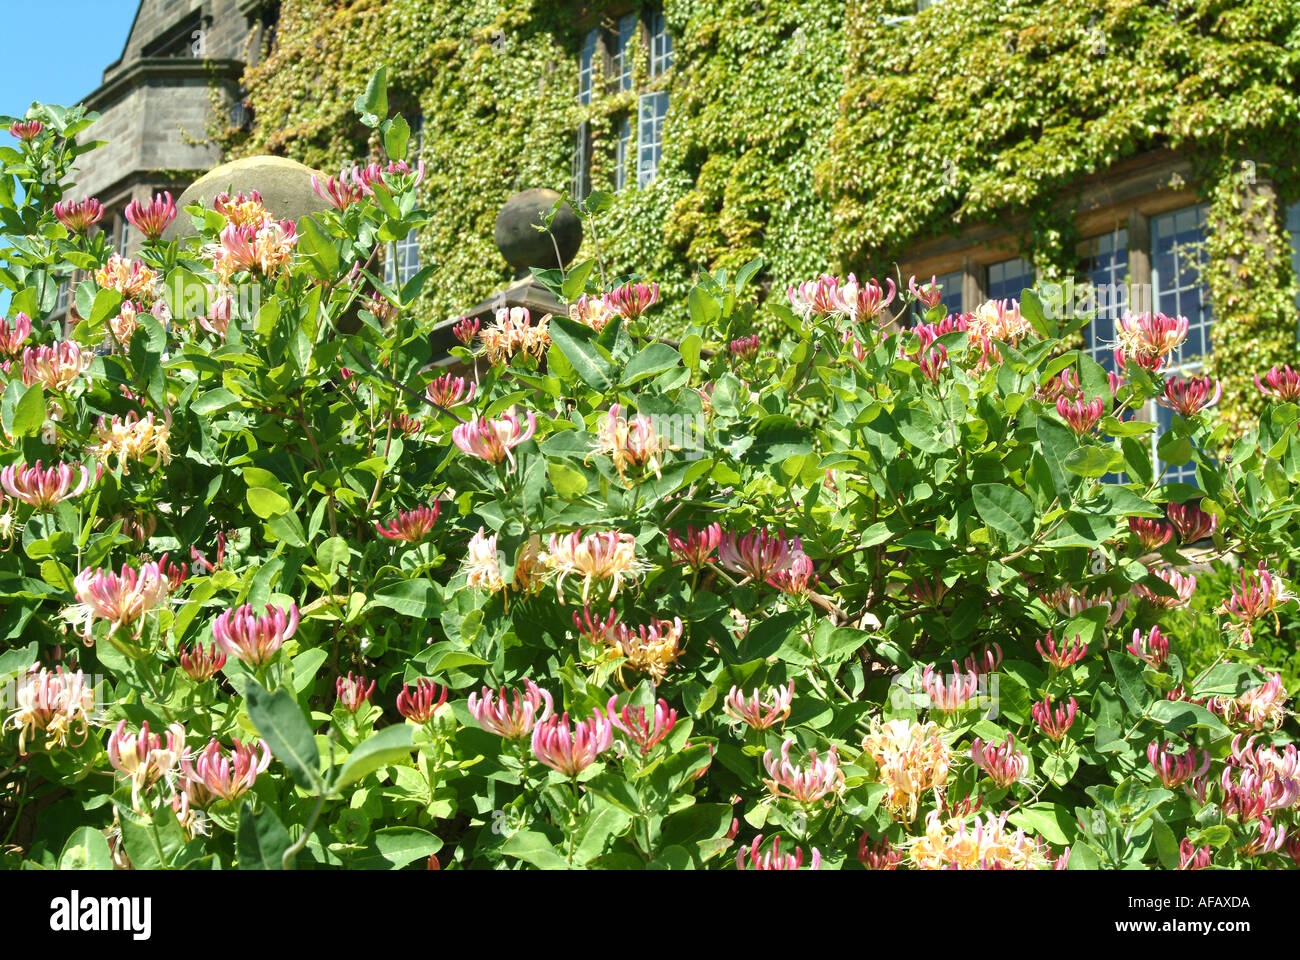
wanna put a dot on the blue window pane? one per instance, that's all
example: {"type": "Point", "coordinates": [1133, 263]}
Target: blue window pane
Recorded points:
{"type": "Point", "coordinates": [1177, 256]}
{"type": "Point", "coordinates": [406, 265]}
{"type": "Point", "coordinates": [586, 67]}
{"type": "Point", "coordinates": [622, 61]}
{"type": "Point", "coordinates": [1105, 268]}
{"type": "Point", "coordinates": [661, 45]}
{"type": "Point", "coordinates": [1008, 279]}
{"type": "Point", "coordinates": [626, 153]}
{"type": "Point", "coordinates": [652, 108]}
{"type": "Point", "coordinates": [1293, 225]}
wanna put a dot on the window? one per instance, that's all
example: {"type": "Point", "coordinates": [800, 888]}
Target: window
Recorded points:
{"type": "Point", "coordinates": [950, 285]}
{"type": "Point", "coordinates": [1293, 225]}
{"type": "Point", "coordinates": [1105, 268]}
{"type": "Point", "coordinates": [62, 297]}
{"type": "Point", "coordinates": [620, 66]}
{"type": "Point", "coordinates": [626, 154]}
{"type": "Point", "coordinates": [661, 45]}
{"type": "Point", "coordinates": [123, 236]}
{"type": "Point", "coordinates": [1008, 279]}
{"type": "Point", "coordinates": [587, 67]}
{"type": "Point", "coordinates": [653, 107]}
{"type": "Point", "coordinates": [581, 178]}
{"type": "Point", "coordinates": [1177, 255]}
{"type": "Point", "coordinates": [407, 263]}
{"type": "Point", "coordinates": [415, 146]}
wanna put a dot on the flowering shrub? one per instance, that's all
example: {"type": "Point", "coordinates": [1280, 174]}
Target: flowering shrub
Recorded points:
{"type": "Point", "coordinates": [280, 591]}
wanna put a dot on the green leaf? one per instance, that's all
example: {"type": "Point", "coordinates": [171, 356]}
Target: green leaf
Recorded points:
{"type": "Point", "coordinates": [1006, 510]}
{"type": "Point", "coordinates": [1089, 462]}
{"type": "Point", "coordinates": [535, 848]}
{"type": "Point", "coordinates": [396, 134]}
{"type": "Point", "coordinates": [373, 104]}
{"type": "Point", "coordinates": [262, 839]}
{"type": "Point", "coordinates": [576, 343]}
{"type": "Point", "coordinates": [411, 598]}
{"type": "Point", "coordinates": [391, 848]}
{"type": "Point", "coordinates": [568, 482]}
{"type": "Point", "coordinates": [388, 746]}
{"type": "Point", "coordinates": [653, 359]}
{"type": "Point", "coordinates": [1178, 715]}
{"type": "Point", "coordinates": [29, 412]}
{"type": "Point", "coordinates": [86, 849]}
{"type": "Point", "coordinates": [282, 725]}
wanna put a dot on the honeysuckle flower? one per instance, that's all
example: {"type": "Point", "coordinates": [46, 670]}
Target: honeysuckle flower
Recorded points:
{"type": "Point", "coordinates": [1268, 839]}
{"type": "Point", "coordinates": [822, 776]}
{"type": "Point", "coordinates": [125, 324]}
{"type": "Point", "coordinates": [570, 749]}
{"type": "Point", "coordinates": [1283, 383]}
{"type": "Point", "coordinates": [243, 210]}
{"type": "Point", "coordinates": [864, 301]}
{"type": "Point", "coordinates": [338, 191]}
{"type": "Point", "coordinates": [266, 250]}
{"type": "Point", "coordinates": [756, 554]}
{"type": "Point", "coordinates": [217, 774]}
{"type": "Point", "coordinates": [1064, 384]}
{"type": "Point", "coordinates": [420, 705]}
{"type": "Point", "coordinates": [410, 526]}
{"type": "Point", "coordinates": [928, 294]}
{"type": "Point", "coordinates": [649, 648]}
{"type": "Point", "coordinates": [774, 859]}
{"type": "Point", "coordinates": [221, 306]}
{"type": "Point", "coordinates": [448, 391]}
{"type": "Point", "coordinates": [515, 720]}
{"type": "Point", "coordinates": [26, 130]}
{"type": "Point", "coordinates": [820, 297]}
{"type": "Point", "coordinates": [131, 278]}
{"type": "Point", "coordinates": [856, 347]}
{"type": "Point", "coordinates": [200, 664]}
{"type": "Point", "coordinates": [1151, 534]}
{"type": "Point", "coordinates": [1263, 706]}
{"type": "Point", "coordinates": [1054, 721]}
{"type": "Point", "coordinates": [985, 661]}
{"type": "Point", "coordinates": [1152, 649]}
{"type": "Point", "coordinates": [630, 441]}
{"type": "Point", "coordinates": [950, 695]}
{"type": "Point", "coordinates": [797, 578]}
{"type": "Point", "coordinates": [591, 311]}
{"type": "Point", "coordinates": [1079, 416]}
{"type": "Point", "coordinates": [493, 440]}
{"type": "Point", "coordinates": [151, 218]}
{"type": "Point", "coordinates": [594, 630]}
{"type": "Point", "coordinates": [1067, 654]}
{"type": "Point", "coordinates": [645, 734]}
{"type": "Point", "coordinates": [254, 639]}
{"type": "Point", "coordinates": [13, 335]}
{"type": "Point", "coordinates": [120, 598]}
{"type": "Point", "coordinates": [999, 320]}
{"type": "Point", "coordinates": [55, 367]}
{"type": "Point", "coordinates": [1183, 584]}
{"type": "Point", "coordinates": [594, 558]}
{"type": "Point", "coordinates": [466, 329]}
{"type": "Point", "coordinates": [1149, 338]}
{"type": "Point", "coordinates": [912, 759]}
{"type": "Point", "coordinates": [44, 487]}
{"type": "Point", "coordinates": [954, 845]}
{"type": "Point", "coordinates": [695, 549]}
{"type": "Point", "coordinates": [143, 757]}
{"type": "Point", "coordinates": [1191, 522]}
{"type": "Point", "coordinates": [927, 590]}
{"type": "Point", "coordinates": [395, 177]}
{"type": "Point", "coordinates": [53, 702]}
{"type": "Point", "coordinates": [1258, 593]}
{"type": "Point", "coordinates": [80, 215]}
{"type": "Point", "coordinates": [933, 363]}
{"type": "Point", "coordinates": [1070, 603]}
{"type": "Point", "coordinates": [1190, 396]}
{"type": "Point", "coordinates": [1003, 763]}
{"type": "Point", "coordinates": [138, 527]}
{"type": "Point", "coordinates": [745, 348]}
{"type": "Point", "coordinates": [1174, 769]}
{"type": "Point", "coordinates": [132, 438]}
{"type": "Point", "coordinates": [353, 692]}
{"type": "Point", "coordinates": [407, 424]}
{"type": "Point", "coordinates": [756, 712]}
{"type": "Point", "coordinates": [382, 309]}
{"type": "Point", "coordinates": [1192, 857]}
{"type": "Point", "coordinates": [514, 332]}
{"type": "Point", "coordinates": [881, 856]}
{"type": "Point", "coordinates": [482, 566]}
{"type": "Point", "coordinates": [633, 299]}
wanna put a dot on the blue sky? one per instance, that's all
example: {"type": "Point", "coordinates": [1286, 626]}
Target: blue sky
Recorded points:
{"type": "Point", "coordinates": [62, 57]}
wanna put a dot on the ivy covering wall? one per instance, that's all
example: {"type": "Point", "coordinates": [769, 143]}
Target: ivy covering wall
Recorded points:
{"type": "Point", "coordinates": [824, 134]}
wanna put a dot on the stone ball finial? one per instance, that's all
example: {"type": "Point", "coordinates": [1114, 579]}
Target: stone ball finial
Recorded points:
{"type": "Point", "coordinates": [285, 186]}
{"type": "Point", "coordinates": [523, 245]}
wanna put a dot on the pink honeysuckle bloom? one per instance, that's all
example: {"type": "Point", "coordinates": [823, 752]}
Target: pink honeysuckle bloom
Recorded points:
{"type": "Point", "coordinates": [1283, 383]}
{"type": "Point", "coordinates": [774, 859]}
{"type": "Point", "coordinates": [55, 367]}
{"type": "Point", "coordinates": [591, 311]}
{"type": "Point", "coordinates": [448, 391]}
{"type": "Point", "coordinates": [1070, 602]}
{"type": "Point", "coordinates": [570, 749]}
{"type": "Point", "coordinates": [1067, 654]}
{"type": "Point", "coordinates": [1189, 397]}
{"type": "Point", "coordinates": [144, 757]}
{"type": "Point", "coordinates": [43, 488]}
{"type": "Point", "coordinates": [410, 526]}
{"type": "Point", "coordinates": [217, 774]}
{"type": "Point", "coordinates": [1258, 593]}
{"type": "Point", "coordinates": [120, 598]}
{"type": "Point", "coordinates": [466, 329]}
{"type": "Point", "coordinates": [1151, 534]}
{"type": "Point", "coordinates": [496, 713]}
{"type": "Point", "coordinates": [151, 218]}
{"type": "Point", "coordinates": [79, 216]}
{"type": "Point", "coordinates": [797, 578]}
{"type": "Point", "coordinates": [816, 298]}
{"type": "Point", "coordinates": [950, 695]}
{"type": "Point", "coordinates": [745, 348]}
{"type": "Point", "coordinates": [1152, 649]}
{"type": "Point", "coordinates": [1064, 384]}
{"type": "Point", "coordinates": [594, 630]}
{"type": "Point", "coordinates": [1054, 722]}
{"type": "Point", "coordinates": [933, 363]}
{"type": "Point", "coordinates": [392, 178]}
{"type": "Point", "coordinates": [1081, 417]}
{"type": "Point", "coordinates": [26, 130]}
{"type": "Point", "coordinates": [594, 558]}
{"type": "Point", "coordinates": [646, 734]}
{"type": "Point", "coordinates": [985, 661]}
{"type": "Point", "coordinates": [633, 299]}
{"type": "Point", "coordinates": [695, 549]}
{"type": "Point", "coordinates": [629, 441]}
{"type": "Point", "coordinates": [879, 856]}
{"type": "Point", "coordinates": [1184, 585]}
{"type": "Point", "coordinates": [757, 713]}
{"type": "Point", "coordinates": [1192, 857]}
{"type": "Point", "coordinates": [54, 702]}
{"type": "Point", "coordinates": [756, 554]}
{"type": "Point", "coordinates": [1174, 769]}
{"type": "Point", "coordinates": [338, 191]}
{"type": "Point", "coordinates": [1003, 763]}
{"type": "Point", "coordinates": [821, 778]}
{"type": "Point", "coordinates": [255, 640]}
{"type": "Point", "coordinates": [13, 335]}
{"type": "Point", "coordinates": [409, 425]}
{"type": "Point", "coordinates": [927, 293]}
{"type": "Point", "coordinates": [353, 691]}
{"type": "Point", "coordinates": [493, 440]}
{"type": "Point", "coordinates": [864, 301]}
{"type": "Point", "coordinates": [1270, 839]}
{"type": "Point", "coordinates": [1149, 338]}
{"type": "Point", "coordinates": [927, 590]}
{"type": "Point", "coordinates": [1192, 523]}
{"type": "Point", "coordinates": [200, 664]}
{"type": "Point", "coordinates": [420, 705]}
{"type": "Point", "coordinates": [253, 249]}
{"type": "Point", "coordinates": [650, 648]}
{"type": "Point", "coordinates": [856, 347]}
